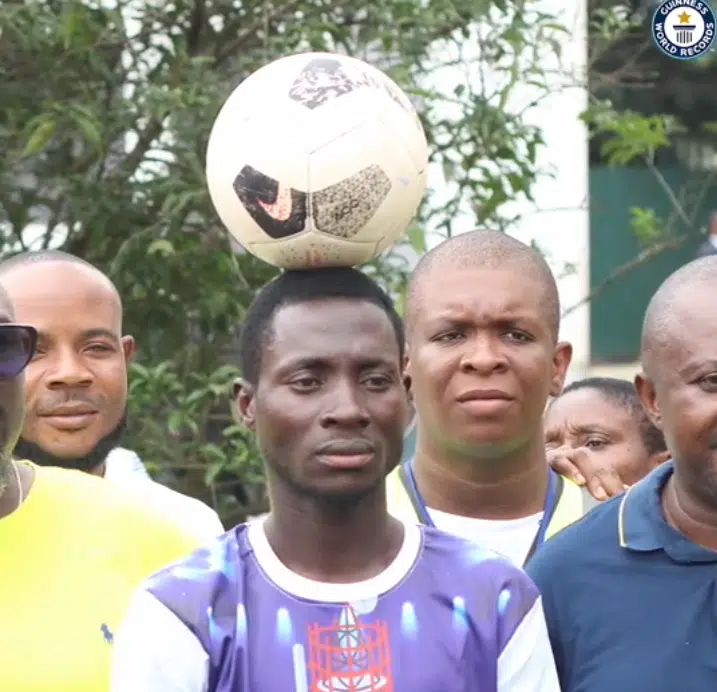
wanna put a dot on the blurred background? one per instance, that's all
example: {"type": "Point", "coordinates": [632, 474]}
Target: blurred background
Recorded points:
{"type": "Point", "coordinates": [558, 121]}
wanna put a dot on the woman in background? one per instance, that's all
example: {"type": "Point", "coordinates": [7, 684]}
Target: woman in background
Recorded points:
{"type": "Point", "coordinates": [603, 416]}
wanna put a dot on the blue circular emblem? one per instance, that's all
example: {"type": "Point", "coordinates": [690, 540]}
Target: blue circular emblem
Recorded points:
{"type": "Point", "coordinates": [684, 29]}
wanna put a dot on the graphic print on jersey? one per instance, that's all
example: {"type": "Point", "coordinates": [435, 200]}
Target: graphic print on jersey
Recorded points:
{"type": "Point", "coordinates": [350, 655]}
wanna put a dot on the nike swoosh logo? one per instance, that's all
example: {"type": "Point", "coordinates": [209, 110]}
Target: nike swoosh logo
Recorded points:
{"type": "Point", "coordinates": [280, 210]}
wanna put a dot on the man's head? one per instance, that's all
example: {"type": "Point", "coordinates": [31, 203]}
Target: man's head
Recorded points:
{"type": "Point", "coordinates": [76, 393]}
{"type": "Point", "coordinates": [678, 383]}
{"type": "Point", "coordinates": [482, 318]}
{"type": "Point", "coordinates": [604, 416]}
{"type": "Point", "coordinates": [321, 354]}
{"type": "Point", "coordinates": [17, 345]}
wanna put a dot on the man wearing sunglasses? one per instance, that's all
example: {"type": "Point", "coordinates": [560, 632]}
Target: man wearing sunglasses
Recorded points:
{"type": "Point", "coordinates": [67, 573]}
{"type": "Point", "coordinates": [76, 399]}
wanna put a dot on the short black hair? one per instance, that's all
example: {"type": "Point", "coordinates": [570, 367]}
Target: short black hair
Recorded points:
{"type": "Point", "coordinates": [486, 249]}
{"type": "Point", "coordinates": [305, 286]}
{"type": "Point", "coordinates": [624, 394]}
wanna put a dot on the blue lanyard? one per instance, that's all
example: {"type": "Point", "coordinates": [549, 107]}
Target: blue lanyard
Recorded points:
{"type": "Point", "coordinates": [552, 497]}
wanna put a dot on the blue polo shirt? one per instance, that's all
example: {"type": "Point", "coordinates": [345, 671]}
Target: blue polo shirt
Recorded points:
{"type": "Point", "coordinates": [631, 603]}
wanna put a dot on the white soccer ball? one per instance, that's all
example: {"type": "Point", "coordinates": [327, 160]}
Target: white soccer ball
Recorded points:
{"type": "Point", "coordinates": [317, 159]}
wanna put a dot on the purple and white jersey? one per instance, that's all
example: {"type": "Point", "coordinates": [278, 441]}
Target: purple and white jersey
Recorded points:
{"type": "Point", "coordinates": [445, 615]}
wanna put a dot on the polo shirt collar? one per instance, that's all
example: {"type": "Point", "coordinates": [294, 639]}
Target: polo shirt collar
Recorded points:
{"type": "Point", "coordinates": [642, 526]}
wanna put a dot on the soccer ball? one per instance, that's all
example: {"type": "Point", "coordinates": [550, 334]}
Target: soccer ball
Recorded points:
{"type": "Point", "coordinates": [317, 159]}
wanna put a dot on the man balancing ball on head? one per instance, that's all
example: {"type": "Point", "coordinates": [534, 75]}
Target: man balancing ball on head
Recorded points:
{"type": "Point", "coordinates": [482, 319]}
{"type": "Point", "coordinates": [330, 591]}
{"type": "Point", "coordinates": [67, 569]}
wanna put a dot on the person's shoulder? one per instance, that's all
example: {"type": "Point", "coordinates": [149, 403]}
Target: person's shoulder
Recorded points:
{"type": "Point", "coordinates": [472, 563]}
{"type": "Point", "coordinates": [125, 465]}
{"type": "Point", "coordinates": [490, 586]}
{"type": "Point", "coordinates": [186, 510]}
{"type": "Point", "coordinates": [82, 491]}
{"type": "Point", "coordinates": [187, 585]}
{"type": "Point", "coordinates": [94, 509]}
{"type": "Point", "coordinates": [584, 541]}
{"type": "Point", "coordinates": [215, 558]}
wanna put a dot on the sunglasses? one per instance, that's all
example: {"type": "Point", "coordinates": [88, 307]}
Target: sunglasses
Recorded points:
{"type": "Point", "coordinates": [17, 347]}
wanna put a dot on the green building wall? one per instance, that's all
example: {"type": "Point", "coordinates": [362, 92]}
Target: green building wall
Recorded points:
{"type": "Point", "coordinates": [616, 313]}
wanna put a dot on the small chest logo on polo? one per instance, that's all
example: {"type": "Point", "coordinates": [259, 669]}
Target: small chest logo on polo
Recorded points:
{"type": "Point", "coordinates": [107, 634]}
{"type": "Point", "coordinates": [684, 29]}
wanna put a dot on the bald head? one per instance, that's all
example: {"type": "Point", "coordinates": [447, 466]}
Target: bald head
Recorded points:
{"type": "Point", "coordinates": [482, 249]}
{"type": "Point", "coordinates": [39, 256]}
{"type": "Point", "coordinates": [27, 267]}
{"type": "Point", "coordinates": [675, 311]}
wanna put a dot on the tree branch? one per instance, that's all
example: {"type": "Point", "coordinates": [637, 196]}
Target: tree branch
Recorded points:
{"type": "Point", "coordinates": [644, 256]}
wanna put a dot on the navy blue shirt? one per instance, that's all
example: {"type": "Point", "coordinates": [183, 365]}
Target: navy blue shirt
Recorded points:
{"type": "Point", "coordinates": [631, 603]}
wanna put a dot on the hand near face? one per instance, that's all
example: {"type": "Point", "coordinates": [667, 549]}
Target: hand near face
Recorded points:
{"type": "Point", "coordinates": [586, 468]}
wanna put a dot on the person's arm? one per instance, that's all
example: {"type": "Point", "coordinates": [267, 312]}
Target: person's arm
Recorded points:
{"type": "Point", "coordinates": [526, 663]}
{"type": "Point", "coordinates": [155, 652]}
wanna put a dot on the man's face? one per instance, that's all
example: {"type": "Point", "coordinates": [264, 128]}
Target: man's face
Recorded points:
{"type": "Point", "coordinates": [330, 406]}
{"type": "Point", "coordinates": [77, 382]}
{"type": "Point", "coordinates": [483, 360]}
{"type": "Point", "coordinates": [680, 393]}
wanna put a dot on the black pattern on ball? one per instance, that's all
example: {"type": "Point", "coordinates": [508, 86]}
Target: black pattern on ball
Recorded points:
{"type": "Point", "coordinates": [324, 79]}
{"type": "Point", "coordinates": [279, 211]}
{"type": "Point", "coordinates": [343, 209]}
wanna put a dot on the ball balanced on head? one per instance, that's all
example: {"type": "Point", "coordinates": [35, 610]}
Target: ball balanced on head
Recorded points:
{"type": "Point", "coordinates": [317, 160]}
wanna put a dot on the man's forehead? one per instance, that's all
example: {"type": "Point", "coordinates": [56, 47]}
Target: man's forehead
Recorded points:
{"type": "Point", "coordinates": [45, 283]}
{"type": "Point", "coordinates": [59, 272]}
{"type": "Point", "coordinates": [479, 288]}
{"type": "Point", "coordinates": [686, 330]}
{"type": "Point", "coordinates": [331, 328]}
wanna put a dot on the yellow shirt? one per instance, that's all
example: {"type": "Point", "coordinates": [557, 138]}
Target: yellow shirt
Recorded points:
{"type": "Point", "coordinates": [70, 558]}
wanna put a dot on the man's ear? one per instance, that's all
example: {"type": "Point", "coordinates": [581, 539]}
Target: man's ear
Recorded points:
{"type": "Point", "coordinates": [244, 402]}
{"type": "Point", "coordinates": [562, 355]}
{"type": "Point", "coordinates": [129, 348]}
{"type": "Point", "coordinates": [407, 376]}
{"type": "Point", "coordinates": [648, 398]}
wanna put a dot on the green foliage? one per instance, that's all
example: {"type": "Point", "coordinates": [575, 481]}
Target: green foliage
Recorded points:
{"type": "Point", "coordinates": [106, 113]}
{"type": "Point", "coordinates": [645, 110]}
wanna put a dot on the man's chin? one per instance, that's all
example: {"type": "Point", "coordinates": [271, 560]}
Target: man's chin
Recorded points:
{"type": "Point", "coordinates": [77, 459]}
{"type": "Point", "coordinates": [63, 458]}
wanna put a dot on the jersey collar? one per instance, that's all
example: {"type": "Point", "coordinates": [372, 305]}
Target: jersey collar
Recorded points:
{"type": "Point", "coordinates": [642, 526]}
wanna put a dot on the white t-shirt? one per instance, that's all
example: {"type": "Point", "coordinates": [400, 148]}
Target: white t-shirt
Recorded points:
{"type": "Point", "coordinates": [511, 538]}
{"type": "Point", "coordinates": [124, 467]}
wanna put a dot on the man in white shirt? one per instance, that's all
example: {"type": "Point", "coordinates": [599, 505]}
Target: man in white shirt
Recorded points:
{"type": "Point", "coordinates": [125, 465]}
{"type": "Point", "coordinates": [482, 328]}
{"type": "Point", "coordinates": [76, 394]}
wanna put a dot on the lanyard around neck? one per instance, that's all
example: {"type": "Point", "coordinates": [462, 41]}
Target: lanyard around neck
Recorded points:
{"type": "Point", "coordinates": [552, 496]}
